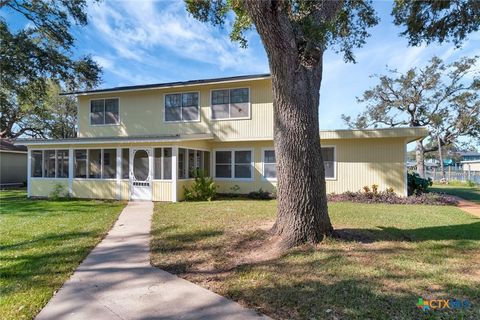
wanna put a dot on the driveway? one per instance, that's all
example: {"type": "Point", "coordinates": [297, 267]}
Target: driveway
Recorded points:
{"type": "Point", "coordinates": [116, 281]}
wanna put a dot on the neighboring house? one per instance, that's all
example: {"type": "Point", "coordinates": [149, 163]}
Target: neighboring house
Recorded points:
{"type": "Point", "coordinates": [469, 156]}
{"type": "Point", "coordinates": [144, 142]}
{"type": "Point", "coordinates": [13, 164]}
{"type": "Point", "coordinates": [471, 165]}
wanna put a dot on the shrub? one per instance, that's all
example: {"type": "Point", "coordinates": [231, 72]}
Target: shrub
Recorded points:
{"type": "Point", "coordinates": [58, 192]}
{"type": "Point", "coordinates": [390, 197]}
{"type": "Point", "coordinates": [416, 184]}
{"type": "Point", "coordinates": [471, 183]}
{"type": "Point", "coordinates": [260, 195]}
{"type": "Point", "coordinates": [202, 189]}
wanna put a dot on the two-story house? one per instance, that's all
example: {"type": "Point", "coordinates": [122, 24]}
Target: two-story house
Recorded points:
{"type": "Point", "coordinates": [145, 142]}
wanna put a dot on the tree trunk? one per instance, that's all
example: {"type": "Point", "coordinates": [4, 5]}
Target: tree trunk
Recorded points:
{"type": "Point", "coordinates": [302, 200]}
{"type": "Point", "coordinates": [440, 157]}
{"type": "Point", "coordinates": [420, 158]}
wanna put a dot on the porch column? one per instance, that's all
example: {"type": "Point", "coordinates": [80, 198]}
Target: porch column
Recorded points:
{"type": "Point", "coordinates": [119, 174]}
{"type": "Point", "coordinates": [70, 171]}
{"type": "Point", "coordinates": [29, 170]}
{"type": "Point", "coordinates": [174, 173]}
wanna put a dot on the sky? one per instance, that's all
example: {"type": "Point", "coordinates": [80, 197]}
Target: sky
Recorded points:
{"type": "Point", "coordinates": [142, 42]}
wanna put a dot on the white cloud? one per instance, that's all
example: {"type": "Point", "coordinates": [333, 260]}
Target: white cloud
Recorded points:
{"type": "Point", "coordinates": [148, 30]}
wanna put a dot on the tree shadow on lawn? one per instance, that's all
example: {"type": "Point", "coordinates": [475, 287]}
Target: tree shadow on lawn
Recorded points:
{"type": "Point", "coordinates": [469, 231]}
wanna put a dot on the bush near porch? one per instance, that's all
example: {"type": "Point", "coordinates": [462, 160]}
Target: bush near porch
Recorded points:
{"type": "Point", "coordinates": [388, 258]}
{"type": "Point", "coordinates": [41, 244]}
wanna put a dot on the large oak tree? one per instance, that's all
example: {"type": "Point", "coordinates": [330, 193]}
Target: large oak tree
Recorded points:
{"type": "Point", "coordinates": [295, 35]}
{"type": "Point", "coordinates": [36, 54]}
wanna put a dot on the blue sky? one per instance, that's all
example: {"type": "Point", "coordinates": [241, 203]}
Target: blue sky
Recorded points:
{"type": "Point", "coordinates": [139, 42]}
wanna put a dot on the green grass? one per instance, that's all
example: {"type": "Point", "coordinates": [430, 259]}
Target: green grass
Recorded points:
{"type": "Point", "coordinates": [392, 255]}
{"type": "Point", "coordinates": [41, 244]}
{"type": "Point", "coordinates": [462, 191]}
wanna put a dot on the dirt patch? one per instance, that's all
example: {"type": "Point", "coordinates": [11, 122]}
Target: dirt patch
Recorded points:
{"type": "Point", "coordinates": [469, 206]}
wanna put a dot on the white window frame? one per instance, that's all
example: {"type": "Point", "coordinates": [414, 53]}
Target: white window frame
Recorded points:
{"type": "Point", "coordinates": [43, 164]}
{"type": "Point", "coordinates": [263, 165]}
{"type": "Point", "coordinates": [229, 103]}
{"type": "Point", "coordinates": [232, 163]}
{"type": "Point", "coordinates": [187, 162]}
{"type": "Point", "coordinates": [334, 161]}
{"type": "Point", "coordinates": [181, 113]}
{"type": "Point", "coordinates": [90, 112]}
{"type": "Point", "coordinates": [88, 164]}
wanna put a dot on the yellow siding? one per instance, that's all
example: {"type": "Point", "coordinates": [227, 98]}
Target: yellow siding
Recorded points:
{"type": "Point", "coordinates": [43, 187]}
{"type": "Point", "coordinates": [162, 190]}
{"type": "Point", "coordinates": [142, 113]}
{"type": "Point", "coordinates": [125, 190]}
{"type": "Point", "coordinates": [94, 189]}
{"type": "Point", "coordinates": [180, 191]}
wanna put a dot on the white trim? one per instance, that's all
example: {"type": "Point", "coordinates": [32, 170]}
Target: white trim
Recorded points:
{"type": "Point", "coordinates": [70, 171]}
{"type": "Point", "coordinates": [335, 162]}
{"type": "Point", "coordinates": [118, 173]}
{"type": "Point", "coordinates": [102, 124]}
{"type": "Point", "coordinates": [229, 105]}
{"type": "Point", "coordinates": [263, 165]}
{"type": "Point", "coordinates": [232, 163]}
{"type": "Point", "coordinates": [175, 86]}
{"type": "Point", "coordinates": [29, 171]}
{"type": "Point", "coordinates": [174, 173]}
{"type": "Point", "coordinates": [181, 113]}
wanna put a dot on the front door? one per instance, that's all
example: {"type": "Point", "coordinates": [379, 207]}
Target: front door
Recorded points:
{"type": "Point", "coordinates": [141, 174]}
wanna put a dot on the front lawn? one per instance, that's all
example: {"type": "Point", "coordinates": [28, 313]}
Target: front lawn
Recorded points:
{"type": "Point", "coordinates": [389, 257]}
{"type": "Point", "coordinates": [462, 191]}
{"type": "Point", "coordinates": [41, 244]}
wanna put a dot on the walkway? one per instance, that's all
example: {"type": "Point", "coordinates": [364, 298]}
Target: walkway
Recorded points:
{"type": "Point", "coordinates": [469, 206]}
{"type": "Point", "coordinates": [116, 281]}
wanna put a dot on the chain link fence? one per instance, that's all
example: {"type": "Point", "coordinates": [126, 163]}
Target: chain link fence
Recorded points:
{"type": "Point", "coordinates": [454, 174]}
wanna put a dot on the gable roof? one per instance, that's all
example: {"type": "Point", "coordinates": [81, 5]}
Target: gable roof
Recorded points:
{"type": "Point", "coordinates": [172, 84]}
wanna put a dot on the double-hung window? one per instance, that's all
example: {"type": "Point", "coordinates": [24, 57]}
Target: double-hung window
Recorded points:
{"type": "Point", "coordinates": [270, 168]}
{"type": "Point", "coordinates": [104, 111]}
{"type": "Point", "coordinates": [233, 164]}
{"type": "Point", "coordinates": [231, 103]}
{"type": "Point", "coordinates": [182, 107]}
{"type": "Point", "coordinates": [269, 165]}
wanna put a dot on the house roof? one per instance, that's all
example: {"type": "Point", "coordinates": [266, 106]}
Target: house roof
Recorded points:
{"type": "Point", "coordinates": [469, 153]}
{"type": "Point", "coordinates": [172, 84]}
{"type": "Point", "coordinates": [109, 140]}
{"type": "Point", "coordinates": [409, 134]}
{"type": "Point", "coordinates": [7, 145]}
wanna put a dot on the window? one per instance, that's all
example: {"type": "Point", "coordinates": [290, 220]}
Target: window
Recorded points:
{"type": "Point", "coordinates": [125, 163]}
{"type": "Point", "coordinates": [49, 164]}
{"type": "Point", "coordinates": [62, 164]}
{"type": "Point", "coordinates": [231, 103]}
{"type": "Point", "coordinates": [109, 166]}
{"type": "Point", "coordinates": [182, 107]}
{"type": "Point", "coordinates": [206, 163]}
{"type": "Point", "coordinates": [328, 156]}
{"type": "Point", "coordinates": [104, 111]}
{"type": "Point", "coordinates": [95, 163]}
{"type": "Point", "coordinates": [270, 170]}
{"type": "Point", "coordinates": [80, 163]}
{"type": "Point", "coordinates": [269, 165]}
{"type": "Point", "coordinates": [191, 163]}
{"type": "Point", "coordinates": [163, 163]}
{"type": "Point", "coordinates": [37, 158]}
{"type": "Point", "coordinates": [233, 164]}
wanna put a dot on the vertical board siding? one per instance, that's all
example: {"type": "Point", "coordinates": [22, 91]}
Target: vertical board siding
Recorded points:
{"type": "Point", "coordinates": [162, 190]}
{"type": "Point", "coordinates": [142, 113]}
{"type": "Point", "coordinates": [43, 187]}
{"type": "Point", "coordinates": [125, 189]}
{"type": "Point", "coordinates": [94, 189]}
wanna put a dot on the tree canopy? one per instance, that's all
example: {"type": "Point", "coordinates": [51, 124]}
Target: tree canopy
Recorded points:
{"type": "Point", "coordinates": [33, 55]}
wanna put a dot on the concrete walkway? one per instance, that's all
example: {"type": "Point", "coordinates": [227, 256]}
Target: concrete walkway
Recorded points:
{"type": "Point", "coordinates": [469, 206]}
{"type": "Point", "coordinates": [116, 281]}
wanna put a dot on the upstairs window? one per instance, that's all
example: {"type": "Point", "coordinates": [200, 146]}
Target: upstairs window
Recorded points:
{"type": "Point", "coordinates": [182, 107]}
{"type": "Point", "coordinates": [104, 111]}
{"type": "Point", "coordinates": [231, 104]}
